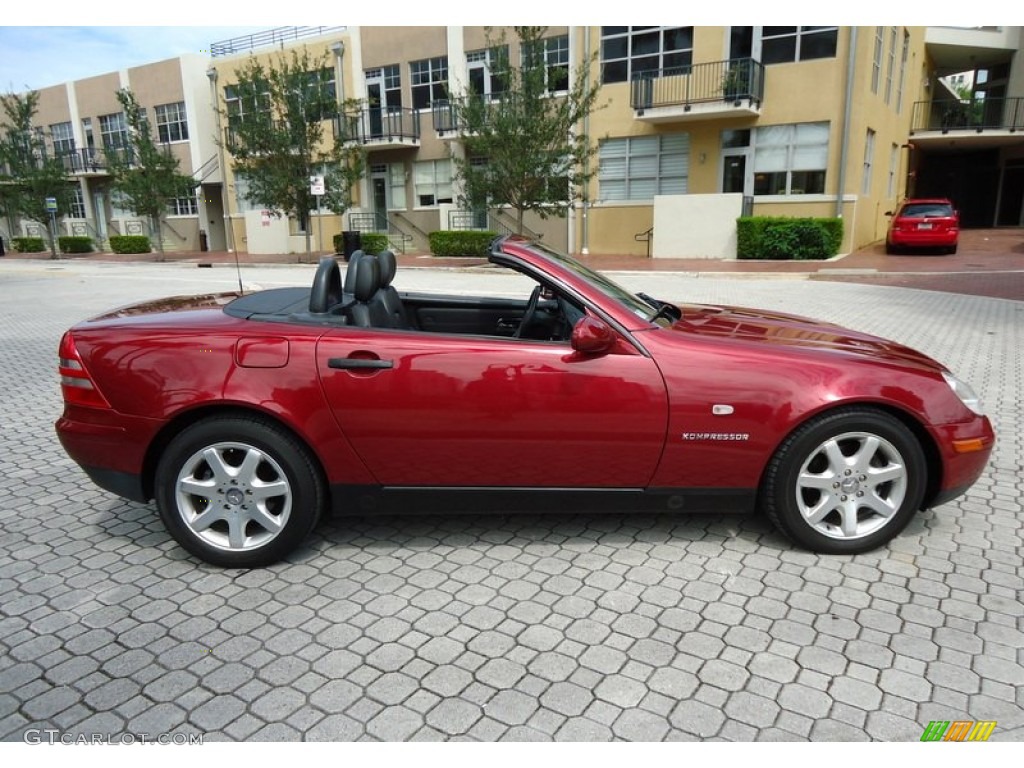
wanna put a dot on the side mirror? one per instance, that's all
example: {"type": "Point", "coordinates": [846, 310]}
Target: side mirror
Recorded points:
{"type": "Point", "coordinates": [591, 336]}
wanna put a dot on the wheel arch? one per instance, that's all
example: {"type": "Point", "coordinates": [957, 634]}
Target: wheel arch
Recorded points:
{"type": "Point", "coordinates": [187, 418]}
{"type": "Point", "coordinates": [933, 460]}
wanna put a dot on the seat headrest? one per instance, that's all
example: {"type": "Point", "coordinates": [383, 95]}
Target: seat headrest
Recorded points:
{"type": "Point", "coordinates": [388, 267]}
{"type": "Point", "coordinates": [366, 279]}
{"type": "Point", "coordinates": [350, 280]}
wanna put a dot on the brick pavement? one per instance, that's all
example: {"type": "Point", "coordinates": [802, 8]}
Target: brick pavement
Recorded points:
{"type": "Point", "coordinates": [522, 627]}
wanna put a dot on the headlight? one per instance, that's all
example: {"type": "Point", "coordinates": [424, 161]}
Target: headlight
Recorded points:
{"type": "Point", "coordinates": [963, 390]}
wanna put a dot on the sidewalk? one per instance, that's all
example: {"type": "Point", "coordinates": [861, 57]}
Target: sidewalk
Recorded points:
{"type": "Point", "coordinates": [990, 262]}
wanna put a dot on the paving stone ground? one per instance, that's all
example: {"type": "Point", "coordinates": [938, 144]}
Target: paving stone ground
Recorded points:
{"type": "Point", "coordinates": [523, 627]}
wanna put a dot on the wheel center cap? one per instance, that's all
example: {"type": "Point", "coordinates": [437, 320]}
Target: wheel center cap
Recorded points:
{"type": "Point", "coordinates": [234, 496]}
{"type": "Point", "coordinates": [850, 485]}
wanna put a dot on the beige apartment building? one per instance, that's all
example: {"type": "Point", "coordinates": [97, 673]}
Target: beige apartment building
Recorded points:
{"type": "Point", "coordinates": [696, 126]}
{"type": "Point", "coordinates": [83, 122]}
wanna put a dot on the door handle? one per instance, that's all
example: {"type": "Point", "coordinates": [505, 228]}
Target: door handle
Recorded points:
{"type": "Point", "coordinates": [358, 363]}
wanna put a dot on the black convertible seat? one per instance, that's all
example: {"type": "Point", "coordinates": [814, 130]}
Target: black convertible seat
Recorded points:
{"type": "Point", "coordinates": [368, 309]}
{"type": "Point", "coordinates": [393, 302]}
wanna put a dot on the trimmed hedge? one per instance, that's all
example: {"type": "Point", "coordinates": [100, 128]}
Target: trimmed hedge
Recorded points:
{"type": "Point", "coordinates": [788, 238]}
{"type": "Point", "coordinates": [369, 242]}
{"type": "Point", "coordinates": [461, 243]}
{"type": "Point", "coordinates": [28, 244]}
{"type": "Point", "coordinates": [75, 244]}
{"type": "Point", "coordinates": [130, 244]}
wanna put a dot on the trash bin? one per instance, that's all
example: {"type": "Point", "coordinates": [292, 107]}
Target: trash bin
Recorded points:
{"type": "Point", "coordinates": [351, 241]}
{"type": "Point", "coordinates": [2, 245]}
{"type": "Point", "coordinates": [203, 245]}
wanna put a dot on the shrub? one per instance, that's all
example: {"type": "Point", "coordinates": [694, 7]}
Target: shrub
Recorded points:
{"type": "Point", "coordinates": [461, 243]}
{"type": "Point", "coordinates": [369, 242]}
{"type": "Point", "coordinates": [130, 244]}
{"type": "Point", "coordinates": [28, 244]}
{"type": "Point", "coordinates": [780, 237]}
{"type": "Point", "coordinates": [75, 244]}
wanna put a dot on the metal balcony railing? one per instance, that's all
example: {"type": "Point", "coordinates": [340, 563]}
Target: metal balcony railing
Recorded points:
{"type": "Point", "coordinates": [270, 37]}
{"type": "Point", "coordinates": [978, 115]}
{"type": "Point", "coordinates": [375, 125]}
{"type": "Point", "coordinates": [732, 80]}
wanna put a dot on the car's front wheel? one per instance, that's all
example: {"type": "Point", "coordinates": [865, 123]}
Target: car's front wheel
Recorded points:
{"type": "Point", "coordinates": [238, 491]}
{"type": "Point", "coordinates": [845, 482]}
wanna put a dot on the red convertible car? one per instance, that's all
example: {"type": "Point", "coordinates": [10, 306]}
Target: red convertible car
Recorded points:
{"type": "Point", "coordinates": [248, 416]}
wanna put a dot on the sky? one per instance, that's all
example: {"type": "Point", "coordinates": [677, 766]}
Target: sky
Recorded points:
{"type": "Point", "coordinates": [33, 57]}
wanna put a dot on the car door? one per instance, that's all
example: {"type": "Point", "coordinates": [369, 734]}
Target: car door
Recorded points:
{"type": "Point", "coordinates": [450, 410]}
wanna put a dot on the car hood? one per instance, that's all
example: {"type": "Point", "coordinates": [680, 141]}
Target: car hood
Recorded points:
{"type": "Point", "coordinates": [785, 330]}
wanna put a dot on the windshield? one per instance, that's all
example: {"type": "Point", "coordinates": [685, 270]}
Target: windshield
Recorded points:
{"type": "Point", "coordinates": [610, 288]}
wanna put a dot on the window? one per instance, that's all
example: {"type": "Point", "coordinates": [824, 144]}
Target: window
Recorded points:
{"type": "Point", "coordinates": [554, 58]}
{"type": "Point", "coordinates": [77, 203]}
{"type": "Point", "coordinates": [396, 179]}
{"type": "Point", "coordinates": [245, 103]}
{"type": "Point", "coordinates": [640, 167]}
{"type": "Point", "coordinates": [183, 206]}
{"type": "Point", "coordinates": [790, 159]}
{"type": "Point", "coordinates": [903, 71]}
{"type": "Point", "coordinates": [242, 201]}
{"type": "Point", "coordinates": [483, 80]}
{"type": "Point", "coordinates": [876, 62]}
{"type": "Point", "coordinates": [869, 154]}
{"type": "Point", "coordinates": [891, 68]}
{"type": "Point", "coordinates": [113, 131]}
{"type": "Point", "coordinates": [63, 139]}
{"type": "Point", "coordinates": [627, 51]}
{"type": "Point", "coordinates": [433, 182]}
{"type": "Point", "coordinates": [171, 124]}
{"type": "Point", "coordinates": [319, 97]}
{"type": "Point", "coordinates": [784, 44]}
{"type": "Point", "coordinates": [429, 79]}
{"type": "Point", "coordinates": [384, 87]}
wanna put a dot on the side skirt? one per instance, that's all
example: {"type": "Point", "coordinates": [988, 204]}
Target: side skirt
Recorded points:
{"type": "Point", "coordinates": [377, 500]}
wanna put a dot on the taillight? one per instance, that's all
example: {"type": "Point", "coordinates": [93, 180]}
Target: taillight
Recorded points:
{"type": "Point", "coordinates": [75, 383]}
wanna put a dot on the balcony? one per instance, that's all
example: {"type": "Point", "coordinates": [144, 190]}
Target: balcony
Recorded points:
{"type": "Point", "coordinates": [968, 122]}
{"type": "Point", "coordinates": [380, 128]}
{"type": "Point", "coordinates": [713, 90]}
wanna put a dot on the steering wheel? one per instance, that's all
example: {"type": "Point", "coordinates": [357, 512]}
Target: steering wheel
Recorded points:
{"type": "Point", "coordinates": [326, 286]}
{"type": "Point", "coordinates": [530, 311]}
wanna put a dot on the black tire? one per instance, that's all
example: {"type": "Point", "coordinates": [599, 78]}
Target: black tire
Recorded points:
{"type": "Point", "coordinates": [845, 482]}
{"type": "Point", "coordinates": [951, 250]}
{"type": "Point", "coordinates": [891, 249]}
{"type": "Point", "coordinates": [237, 491]}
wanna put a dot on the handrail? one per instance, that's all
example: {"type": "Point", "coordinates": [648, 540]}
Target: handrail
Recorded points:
{"type": "Point", "coordinates": [730, 80]}
{"type": "Point", "coordinates": [526, 230]}
{"type": "Point", "coordinates": [275, 36]}
{"type": "Point", "coordinates": [976, 115]}
{"type": "Point", "coordinates": [371, 125]}
{"type": "Point", "coordinates": [645, 237]}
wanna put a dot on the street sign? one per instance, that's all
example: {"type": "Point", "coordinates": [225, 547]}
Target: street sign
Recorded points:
{"type": "Point", "coordinates": [316, 185]}
{"type": "Point", "coordinates": [51, 204]}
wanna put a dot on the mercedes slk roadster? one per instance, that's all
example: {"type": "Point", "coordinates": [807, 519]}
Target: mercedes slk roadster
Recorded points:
{"type": "Point", "coordinates": [247, 417]}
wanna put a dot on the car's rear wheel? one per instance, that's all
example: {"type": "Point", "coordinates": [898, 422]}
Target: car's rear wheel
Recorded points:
{"type": "Point", "coordinates": [891, 249]}
{"type": "Point", "coordinates": [845, 482]}
{"type": "Point", "coordinates": [238, 491]}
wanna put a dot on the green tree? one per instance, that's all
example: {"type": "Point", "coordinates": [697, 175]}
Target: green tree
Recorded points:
{"type": "Point", "coordinates": [523, 145]}
{"type": "Point", "coordinates": [29, 173]}
{"type": "Point", "coordinates": [277, 137]}
{"type": "Point", "coordinates": [144, 173]}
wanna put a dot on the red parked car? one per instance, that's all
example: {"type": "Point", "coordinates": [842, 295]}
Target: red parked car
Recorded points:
{"type": "Point", "coordinates": [931, 223]}
{"type": "Point", "coordinates": [247, 417]}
